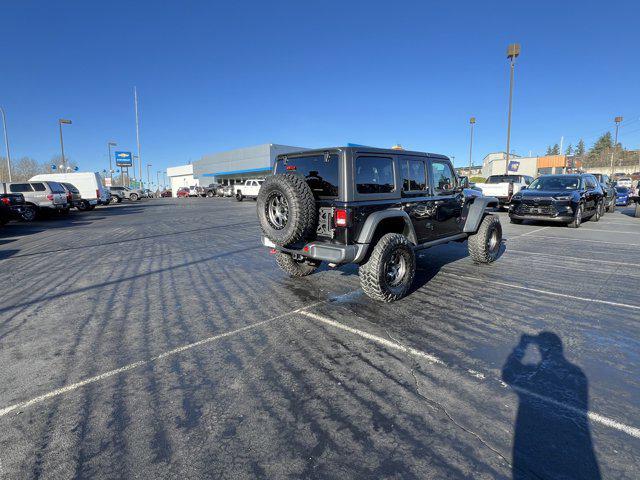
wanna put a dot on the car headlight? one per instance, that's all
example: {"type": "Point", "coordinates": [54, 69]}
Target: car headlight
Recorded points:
{"type": "Point", "coordinates": [563, 198]}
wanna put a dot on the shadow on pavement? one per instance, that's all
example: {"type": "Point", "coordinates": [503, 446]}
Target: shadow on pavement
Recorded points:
{"type": "Point", "coordinates": [552, 438]}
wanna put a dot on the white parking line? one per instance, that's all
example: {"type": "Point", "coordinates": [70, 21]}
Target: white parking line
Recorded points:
{"type": "Point", "coordinates": [595, 417]}
{"type": "Point", "coordinates": [546, 292]}
{"type": "Point", "coordinates": [582, 240]}
{"type": "Point", "coordinates": [532, 231]}
{"type": "Point", "coordinates": [590, 260]}
{"type": "Point", "coordinates": [131, 366]}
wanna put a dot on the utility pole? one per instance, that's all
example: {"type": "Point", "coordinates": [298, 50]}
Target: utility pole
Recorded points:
{"type": "Point", "coordinates": [60, 123]}
{"type": "Point", "coordinates": [472, 122]}
{"type": "Point", "coordinates": [148, 177]}
{"type": "Point", "coordinates": [6, 141]}
{"type": "Point", "coordinates": [158, 178]}
{"type": "Point", "coordinates": [135, 98]}
{"type": "Point", "coordinates": [513, 51]}
{"type": "Point", "coordinates": [617, 121]}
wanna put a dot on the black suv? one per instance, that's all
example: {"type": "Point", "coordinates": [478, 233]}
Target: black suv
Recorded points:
{"type": "Point", "coordinates": [560, 198]}
{"type": "Point", "coordinates": [608, 188]}
{"type": "Point", "coordinates": [373, 207]}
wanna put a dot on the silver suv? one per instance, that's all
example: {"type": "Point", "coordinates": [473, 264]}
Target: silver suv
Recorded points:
{"type": "Point", "coordinates": [40, 197]}
{"type": "Point", "coordinates": [120, 193]}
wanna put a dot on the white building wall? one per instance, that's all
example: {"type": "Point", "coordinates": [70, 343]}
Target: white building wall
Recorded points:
{"type": "Point", "coordinates": [181, 176]}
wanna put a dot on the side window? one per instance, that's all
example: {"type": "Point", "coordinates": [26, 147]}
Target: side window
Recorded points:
{"type": "Point", "coordinates": [39, 187]}
{"type": "Point", "coordinates": [590, 183]}
{"type": "Point", "coordinates": [443, 178]}
{"type": "Point", "coordinates": [528, 180]}
{"type": "Point", "coordinates": [374, 175]}
{"type": "Point", "coordinates": [20, 188]}
{"type": "Point", "coordinates": [414, 175]}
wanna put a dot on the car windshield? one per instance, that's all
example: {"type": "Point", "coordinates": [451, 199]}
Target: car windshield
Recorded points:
{"type": "Point", "coordinates": [622, 190]}
{"type": "Point", "coordinates": [555, 184]}
{"type": "Point", "coordinates": [503, 178]}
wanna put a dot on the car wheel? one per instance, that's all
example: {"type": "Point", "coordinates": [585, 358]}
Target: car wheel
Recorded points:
{"type": "Point", "coordinates": [210, 194]}
{"type": "Point", "coordinates": [484, 245]}
{"type": "Point", "coordinates": [29, 214]}
{"type": "Point", "coordinates": [115, 199]}
{"type": "Point", "coordinates": [239, 197]}
{"type": "Point", "coordinates": [577, 218]}
{"type": "Point", "coordinates": [599, 209]}
{"type": "Point", "coordinates": [296, 268]}
{"type": "Point", "coordinates": [133, 197]}
{"type": "Point", "coordinates": [517, 221]}
{"type": "Point", "coordinates": [388, 274]}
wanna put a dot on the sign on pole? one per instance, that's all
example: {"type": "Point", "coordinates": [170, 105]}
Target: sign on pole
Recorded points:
{"type": "Point", "coordinates": [124, 159]}
{"type": "Point", "coordinates": [513, 166]}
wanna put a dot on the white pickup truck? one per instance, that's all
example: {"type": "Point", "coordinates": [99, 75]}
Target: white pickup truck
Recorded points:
{"type": "Point", "coordinates": [503, 187]}
{"type": "Point", "coordinates": [248, 189]}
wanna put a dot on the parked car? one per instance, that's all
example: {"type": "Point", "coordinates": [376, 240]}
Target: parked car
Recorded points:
{"type": "Point", "coordinates": [624, 182]}
{"type": "Point", "coordinates": [503, 187]}
{"type": "Point", "coordinates": [88, 183]}
{"type": "Point", "coordinates": [623, 195]}
{"type": "Point", "coordinates": [196, 191]}
{"type": "Point", "coordinates": [210, 190]}
{"type": "Point", "coordinates": [11, 205]}
{"type": "Point", "coordinates": [568, 199]}
{"type": "Point", "coordinates": [227, 191]}
{"type": "Point", "coordinates": [183, 192]}
{"type": "Point", "coordinates": [372, 207]}
{"type": "Point", "coordinates": [40, 197]}
{"type": "Point", "coordinates": [166, 193]}
{"type": "Point", "coordinates": [609, 191]}
{"type": "Point", "coordinates": [248, 189]}
{"type": "Point", "coordinates": [118, 194]}
{"type": "Point", "coordinates": [73, 195]}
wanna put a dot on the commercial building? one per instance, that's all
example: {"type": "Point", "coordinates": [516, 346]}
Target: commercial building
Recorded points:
{"type": "Point", "coordinates": [496, 163]}
{"type": "Point", "coordinates": [236, 166]}
{"type": "Point", "coordinates": [181, 176]}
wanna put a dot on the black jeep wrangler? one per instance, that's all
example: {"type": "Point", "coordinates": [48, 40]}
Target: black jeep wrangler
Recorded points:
{"type": "Point", "coordinates": [373, 207]}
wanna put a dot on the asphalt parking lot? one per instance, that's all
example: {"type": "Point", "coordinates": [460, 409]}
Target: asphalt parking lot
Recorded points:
{"type": "Point", "coordinates": [159, 340]}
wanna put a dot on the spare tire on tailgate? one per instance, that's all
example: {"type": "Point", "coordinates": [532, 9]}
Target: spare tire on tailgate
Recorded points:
{"type": "Point", "coordinates": [286, 209]}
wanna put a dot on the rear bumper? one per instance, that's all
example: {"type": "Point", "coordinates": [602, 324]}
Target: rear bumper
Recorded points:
{"type": "Point", "coordinates": [327, 252]}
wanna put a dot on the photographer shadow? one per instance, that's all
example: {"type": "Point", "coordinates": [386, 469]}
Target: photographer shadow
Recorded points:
{"type": "Point", "coordinates": [552, 438]}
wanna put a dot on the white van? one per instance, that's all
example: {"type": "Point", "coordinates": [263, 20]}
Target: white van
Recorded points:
{"type": "Point", "coordinates": [89, 184]}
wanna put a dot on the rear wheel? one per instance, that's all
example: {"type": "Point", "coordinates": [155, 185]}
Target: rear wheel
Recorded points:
{"type": "Point", "coordinates": [239, 197]}
{"type": "Point", "coordinates": [599, 212]}
{"type": "Point", "coordinates": [296, 268]}
{"type": "Point", "coordinates": [388, 274]}
{"type": "Point", "coordinates": [29, 214]}
{"type": "Point", "coordinates": [577, 218]}
{"type": "Point", "coordinates": [484, 245]}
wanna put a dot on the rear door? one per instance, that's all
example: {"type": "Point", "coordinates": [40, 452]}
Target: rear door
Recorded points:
{"type": "Point", "coordinates": [416, 197]}
{"type": "Point", "coordinates": [591, 195]}
{"type": "Point", "coordinates": [447, 200]}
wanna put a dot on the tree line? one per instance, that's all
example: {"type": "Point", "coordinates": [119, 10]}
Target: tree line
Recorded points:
{"type": "Point", "coordinates": [26, 167]}
{"type": "Point", "coordinates": [599, 155]}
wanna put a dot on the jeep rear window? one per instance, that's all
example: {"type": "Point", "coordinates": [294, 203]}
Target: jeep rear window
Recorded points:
{"type": "Point", "coordinates": [320, 173]}
{"type": "Point", "coordinates": [374, 175]}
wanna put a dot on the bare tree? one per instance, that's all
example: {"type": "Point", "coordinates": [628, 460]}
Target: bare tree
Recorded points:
{"type": "Point", "coordinates": [25, 168]}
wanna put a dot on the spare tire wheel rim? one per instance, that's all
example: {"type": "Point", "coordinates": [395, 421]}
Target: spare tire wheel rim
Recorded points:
{"type": "Point", "coordinates": [278, 210]}
{"type": "Point", "coordinates": [395, 269]}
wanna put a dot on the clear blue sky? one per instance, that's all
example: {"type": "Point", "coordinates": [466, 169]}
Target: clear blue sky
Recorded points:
{"type": "Point", "coordinates": [221, 75]}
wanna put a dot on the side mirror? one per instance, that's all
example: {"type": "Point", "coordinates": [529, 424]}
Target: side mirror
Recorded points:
{"type": "Point", "coordinates": [464, 183]}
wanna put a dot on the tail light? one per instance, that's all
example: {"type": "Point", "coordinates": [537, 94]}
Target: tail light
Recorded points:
{"type": "Point", "coordinates": [50, 196]}
{"type": "Point", "coordinates": [340, 217]}
{"type": "Point", "coordinates": [6, 201]}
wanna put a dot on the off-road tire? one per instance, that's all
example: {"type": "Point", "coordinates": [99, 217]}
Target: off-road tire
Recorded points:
{"type": "Point", "coordinates": [577, 218]}
{"type": "Point", "coordinates": [296, 268]}
{"type": "Point", "coordinates": [517, 221]}
{"type": "Point", "coordinates": [29, 214]}
{"type": "Point", "coordinates": [133, 197]}
{"type": "Point", "coordinates": [484, 245]}
{"type": "Point", "coordinates": [302, 213]}
{"type": "Point", "coordinates": [373, 274]}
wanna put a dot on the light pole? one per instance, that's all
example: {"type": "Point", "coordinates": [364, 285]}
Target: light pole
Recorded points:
{"type": "Point", "coordinates": [109, 145]}
{"type": "Point", "coordinates": [472, 122]}
{"type": "Point", "coordinates": [6, 141]}
{"type": "Point", "coordinates": [60, 123]}
{"type": "Point", "coordinates": [135, 98]}
{"type": "Point", "coordinates": [513, 51]}
{"type": "Point", "coordinates": [148, 177]}
{"type": "Point", "coordinates": [617, 120]}
{"type": "Point", "coordinates": [158, 178]}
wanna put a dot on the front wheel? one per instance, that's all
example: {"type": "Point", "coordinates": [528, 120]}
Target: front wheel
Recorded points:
{"type": "Point", "coordinates": [599, 212]}
{"type": "Point", "coordinates": [296, 268]}
{"type": "Point", "coordinates": [577, 217]}
{"type": "Point", "coordinates": [133, 197]}
{"type": "Point", "coordinates": [388, 274]}
{"type": "Point", "coordinates": [239, 197]}
{"type": "Point", "coordinates": [484, 245]}
{"type": "Point", "coordinates": [29, 214]}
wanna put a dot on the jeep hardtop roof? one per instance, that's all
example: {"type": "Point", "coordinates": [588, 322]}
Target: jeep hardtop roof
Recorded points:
{"type": "Point", "coordinates": [362, 149]}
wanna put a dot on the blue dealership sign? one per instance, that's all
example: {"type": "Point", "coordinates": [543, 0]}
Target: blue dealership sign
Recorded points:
{"type": "Point", "coordinates": [124, 159]}
{"type": "Point", "coordinates": [513, 166]}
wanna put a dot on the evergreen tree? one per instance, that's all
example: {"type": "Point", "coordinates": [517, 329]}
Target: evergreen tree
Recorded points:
{"type": "Point", "coordinates": [580, 148]}
{"type": "Point", "coordinates": [549, 150]}
{"type": "Point", "coordinates": [555, 150]}
{"type": "Point", "coordinates": [569, 150]}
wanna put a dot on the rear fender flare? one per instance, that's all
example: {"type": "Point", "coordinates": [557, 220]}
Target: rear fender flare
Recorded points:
{"type": "Point", "coordinates": [477, 212]}
{"type": "Point", "coordinates": [373, 221]}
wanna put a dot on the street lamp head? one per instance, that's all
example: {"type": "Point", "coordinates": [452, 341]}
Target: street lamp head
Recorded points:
{"type": "Point", "coordinates": [65, 121]}
{"type": "Point", "coordinates": [113, 144]}
{"type": "Point", "coordinates": [618, 119]}
{"type": "Point", "coordinates": [513, 50]}
{"type": "Point", "coordinates": [472, 120]}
